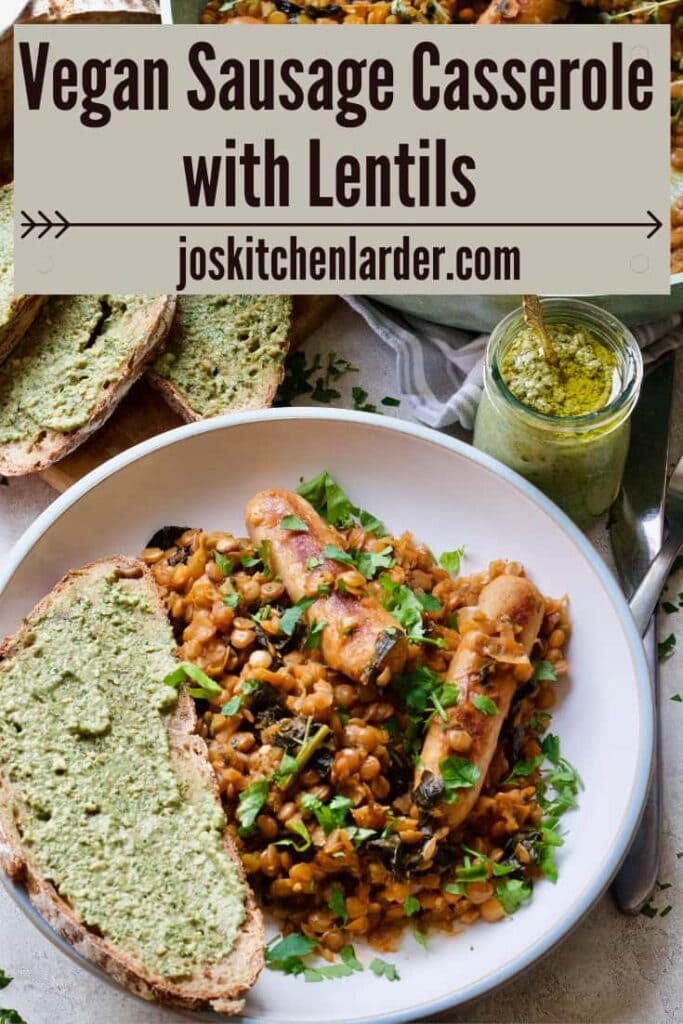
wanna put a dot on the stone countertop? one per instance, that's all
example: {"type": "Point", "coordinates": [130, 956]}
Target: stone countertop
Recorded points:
{"type": "Point", "coordinates": [611, 969]}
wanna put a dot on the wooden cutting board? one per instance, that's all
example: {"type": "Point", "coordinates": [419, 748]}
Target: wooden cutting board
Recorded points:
{"type": "Point", "coordinates": [143, 413]}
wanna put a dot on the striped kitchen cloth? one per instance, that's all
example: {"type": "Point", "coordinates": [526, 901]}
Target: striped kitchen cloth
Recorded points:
{"type": "Point", "coordinates": [439, 369]}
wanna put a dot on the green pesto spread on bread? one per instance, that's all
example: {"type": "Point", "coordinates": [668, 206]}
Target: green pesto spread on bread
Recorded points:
{"type": "Point", "coordinates": [7, 297]}
{"type": "Point", "coordinates": [78, 347]}
{"type": "Point", "coordinates": [126, 837]}
{"type": "Point", "coordinates": [226, 352]}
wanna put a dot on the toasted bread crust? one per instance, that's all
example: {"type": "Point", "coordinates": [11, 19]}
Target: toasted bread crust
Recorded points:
{"type": "Point", "coordinates": [220, 986]}
{"type": "Point", "coordinates": [23, 312]}
{"type": "Point", "coordinates": [96, 11]}
{"type": "Point", "coordinates": [18, 459]}
{"type": "Point", "coordinates": [261, 398]}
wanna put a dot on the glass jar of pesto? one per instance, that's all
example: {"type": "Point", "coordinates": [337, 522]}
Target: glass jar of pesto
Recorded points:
{"type": "Point", "coordinates": [565, 426]}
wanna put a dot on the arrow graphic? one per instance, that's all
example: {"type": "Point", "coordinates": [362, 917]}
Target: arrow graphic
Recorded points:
{"type": "Point", "coordinates": [60, 224]}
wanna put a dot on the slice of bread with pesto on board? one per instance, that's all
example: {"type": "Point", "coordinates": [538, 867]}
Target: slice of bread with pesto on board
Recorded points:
{"type": "Point", "coordinates": [225, 353]}
{"type": "Point", "coordinates": [72, 368]}
{"type": "Point", "coordinates": [17, 312]}
{"type": "Point", "coordinates": [109, 809]}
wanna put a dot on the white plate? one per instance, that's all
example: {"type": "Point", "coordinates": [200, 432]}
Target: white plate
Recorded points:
{"type": "Point", "coordinates": [448, 494]}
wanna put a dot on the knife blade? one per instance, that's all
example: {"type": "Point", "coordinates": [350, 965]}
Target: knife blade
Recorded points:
{"type": "Point", "coordinates": [637, 533]}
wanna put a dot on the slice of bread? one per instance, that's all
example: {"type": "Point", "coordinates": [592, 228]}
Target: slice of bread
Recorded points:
{"type": "Point", "coordinates": [70, 371]}
{"type": "Point", "coordinates": [17, 312]}
{"type": "Point", "coordinates": [97, 11]}
{"type": "Point", "coordinates": [225, 353]}
{"type": "Point", "coordinates": [103, 635]}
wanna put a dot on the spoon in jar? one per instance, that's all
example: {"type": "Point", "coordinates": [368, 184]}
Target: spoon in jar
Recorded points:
{"type": "Point", "coordinates": [533, 317]}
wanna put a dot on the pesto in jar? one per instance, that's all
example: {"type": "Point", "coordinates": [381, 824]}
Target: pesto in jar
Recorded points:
{"type": "Point", "coordinates": [581, 379]}
{"type": "Point", "coordinates": [563, 425]}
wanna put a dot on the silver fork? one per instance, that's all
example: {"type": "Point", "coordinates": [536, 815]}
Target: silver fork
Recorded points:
{"type": "Point", "coordinates": [644, 601]}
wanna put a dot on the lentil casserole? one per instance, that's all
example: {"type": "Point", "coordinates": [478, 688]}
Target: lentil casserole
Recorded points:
{"type": "Point", "coordinates": [316, 771]}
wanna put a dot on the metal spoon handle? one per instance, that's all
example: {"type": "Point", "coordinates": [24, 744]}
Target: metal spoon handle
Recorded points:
{"type": "Point", "coordinates": [644, 601]}
{"type": "Point", "coordinates": [638, 873]}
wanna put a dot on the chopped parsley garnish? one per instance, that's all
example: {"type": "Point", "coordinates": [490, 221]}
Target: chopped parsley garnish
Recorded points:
{"type": "Point", "coordinates": [457, 773]}
{"type": "Point", "coordinates": [336, 554]}
{"type": "Point", "coordinates": [329, 816]}
{"type": "Point", "coordinates": [233, 706]}
{"type": "Point", "coordinates": [649, 911]}
{"type": "Point", "coordinates": [368, 563]}
{"type": "Point", "coordinates": [327, 498]}
{"type": "Point", "coordinates": [564, 782]}
{"type": "Point", "coordinates": [278, 953]}
{"type": "Point", "coordinates": [360, 401]}
{"type": "Point", "coordinates": [313, 563]}
{"type": "Point", "coordinates": [411, 905]}
{"type": "Point", "coordinates": [430, 603]}
{"type": "Point", "coordinates": [231, 600]}
{"type": "Point", "coordinates": [262, 557]}
{"type": "Point", "coordinates": [544, 852]}
{"type": "Point", "coordinates": [388, 400]}
{"type": "Point", "coordinates": [522, 769]}
{"type": "Point", "coordinates": [550, 745]}
{"type": "Point", "coordinates": [666, 647]}
{"type": "Point", "coordinates": [424, 694]}
{"type": "Point", "coordinates": [497, 868]}
{"type": "Point", "coordinates": [383, 969]}
{"type": "Point", "coordinates": [293, 523]}
{"type": "Point", "coordinates": [4, 979]}
{"type": "Point", "coordinates": [450, 560]}
{"type": "Point", "coordinates": [557, 792]}
{"type": "Point", "coordinates": [337, 904]}
{"type": "Point", "coordinates": [223, 563]}
{"type": "Point", "coordinates": [544, 671]}
{"type": "Point", "coordinates": [419, 936]}
{"type": "Point", "coordinates": [251, 801]}
{"type": "Point", "coordinates": [484, 704]}
{"type": "Point", "coordinates": [472, 870]}
{"type": "Point", "coordinates": [287, 955]}
{"type": "Point", "coordinates": [299, 375]}
{"type": "Point", "coordinates": [512, 892]}
{"type": "Point", "coordinates": [349, 957]}
{"type": "Point", "coordinates": [288, 766]}
{"type": "Point", "coordinates": [669, 608]}
{"type": "Point", "coordinates": [236, 703]}
{"type": "Point", "coordinates": [10, 1017]}
{"type": "Point", "coordinates": [206, 688]}
{"type": "Point", "coordinates": [290, 619]}
{"type": "Point", "coordinates": [358, 835]}
{"type": "Point", "coordinates": [407, 608]}
{"type": "Point", "coordinates": [262, 613]}
{"type": "Point", "coordinates": [677, 697]}
{"type": "Point", "coordinates": [315, 634]}
{"type": "Point", "coordinates": [302, 831]}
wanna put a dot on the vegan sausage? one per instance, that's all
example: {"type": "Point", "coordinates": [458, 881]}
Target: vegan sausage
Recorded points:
{"type": "Point", "coordinates": [506, 600]}
{"type": "Point", "coordinates": [359, 637]}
